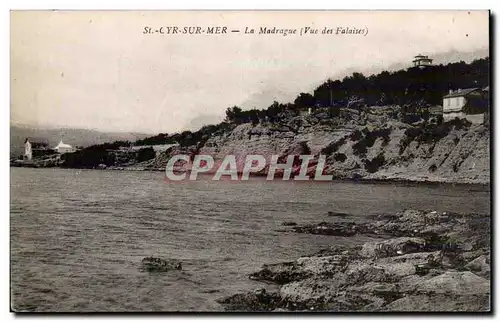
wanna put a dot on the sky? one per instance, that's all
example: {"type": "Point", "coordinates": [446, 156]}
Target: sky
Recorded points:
{"type": "Point", "coordinates": [99, 70]}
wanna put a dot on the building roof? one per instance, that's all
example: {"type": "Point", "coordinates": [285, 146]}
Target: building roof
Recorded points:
{"type": "Point", "coordinates": [63, 145]}
{"type": "Point", "coordinates": [461, 92]}
{"type": "Point", "coordinates": [422, 58]}
{"type": "Point", "coordinates": [486, 89]}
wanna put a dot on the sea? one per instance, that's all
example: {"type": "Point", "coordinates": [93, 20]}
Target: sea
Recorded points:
{"type": "Point", "coordinates": [77, 237]}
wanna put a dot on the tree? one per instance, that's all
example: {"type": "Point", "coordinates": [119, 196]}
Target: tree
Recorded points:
{"type": "Point", "coordinates": [305, 100]}
{"type": "Point", "coordinates": [233, 114]}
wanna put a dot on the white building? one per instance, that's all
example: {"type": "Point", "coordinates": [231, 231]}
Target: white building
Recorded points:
{"type": "Point", "coordinates": [28, 154]}
{"type": "Point", "coordinates": [422, 61]}
{"type": "Point", "coordinates": [469, 103]}
{"type": "Point", "coordinates": [64, 148]}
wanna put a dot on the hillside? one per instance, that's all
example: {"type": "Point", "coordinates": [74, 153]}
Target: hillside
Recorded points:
{"type": "Point", "coordinates": [378, 127]}
{"type": "Point", "coordinates": [369, 147]}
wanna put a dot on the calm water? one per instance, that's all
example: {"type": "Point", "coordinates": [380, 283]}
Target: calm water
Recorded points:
{"type": "Point", "coordinates": [77, 237]}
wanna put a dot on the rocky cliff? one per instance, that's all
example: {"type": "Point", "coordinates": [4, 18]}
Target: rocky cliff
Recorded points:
{"type": "Point", "coordinates": [371, 146]}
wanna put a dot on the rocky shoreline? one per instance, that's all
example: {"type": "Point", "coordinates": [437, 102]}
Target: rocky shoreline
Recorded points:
{"type": "Point", "coordinates": [423, 261]}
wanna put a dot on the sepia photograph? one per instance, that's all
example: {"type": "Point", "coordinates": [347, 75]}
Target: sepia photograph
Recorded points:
{"type": "Point", "coordinates": [251, 161]}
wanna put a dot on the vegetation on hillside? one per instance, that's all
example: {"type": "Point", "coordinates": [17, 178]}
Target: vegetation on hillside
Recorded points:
{"type": "Point", "coordinates": [413, 90]}
{"type": "Point", "coordinates": [105, 154]}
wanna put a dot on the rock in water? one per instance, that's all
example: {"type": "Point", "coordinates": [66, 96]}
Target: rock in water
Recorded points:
{"type": "Point", "coordinates": [392, 247]}
{"type": "Point", "coordinates": [338, 214]}
{"type": "Point", "coordinates": [156, 264]}
{"type": "Point", "coordinates": [326, 228]}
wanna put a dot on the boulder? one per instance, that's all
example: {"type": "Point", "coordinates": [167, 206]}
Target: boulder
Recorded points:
{"type": "Point", "coordinates": [156, 264]}
{"type": "Point", "coordinates": [311, 291]}
{"type": "Point", "coordinates": [326, 228]}
{"type": "Point", "coordinates": [362, 272]}
{"type": "Point", "coordinates": [415, 223]}
{"type": "Point", "coordinates": [471, 255]}
{"type": "Point", "coordinates": [280, 273]}
{"type": "Point", "coordinates": [480, 266]}
{"type": "Point", "coordinates": [258, 300]}
{"type": "Point", "coordinates": [460, 283]}
{"type": "Point", "coordinates": [392, 247]}
{"type": "Point", "coordinates": [388, 291]}
{"type": "Point", "coordinates": [354, 302]}
{"type": "Point", "coordinates": [302, 268]}
{"type": "Point", "coordinates": [325, 265]}
{"type": "Point", "coordinates": [440, 303]}
{"type": "Point", "coordinates": [421, 258]}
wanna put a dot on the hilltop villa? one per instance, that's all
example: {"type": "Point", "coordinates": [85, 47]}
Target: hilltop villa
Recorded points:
{"type": "Point", "coordinates": [422, 61]}
{"type": "Point", "coordinates": [469, 103]}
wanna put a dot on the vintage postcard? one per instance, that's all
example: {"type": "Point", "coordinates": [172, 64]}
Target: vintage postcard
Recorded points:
{"type": "Point", "coordinates": [250, 161]}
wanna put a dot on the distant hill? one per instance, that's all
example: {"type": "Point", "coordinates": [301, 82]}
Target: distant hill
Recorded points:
{"type": "Point", "coordinates": [75, 137]}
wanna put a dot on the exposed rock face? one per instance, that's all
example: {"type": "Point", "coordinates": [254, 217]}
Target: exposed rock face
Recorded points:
{"type": "Point", "coordinates": [155, 264]}
{"type": "Point", "coordinates": [369, 145]}
{"type": "Point", "coordinates": [373, 147]}
{"type": "Point", "coordinates": [430, 262]}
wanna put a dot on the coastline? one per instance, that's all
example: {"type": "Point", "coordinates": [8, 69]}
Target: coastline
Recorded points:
{"type": "Point", "coordinates": [423, 261]}
{"type": "Point", "coordinates": [355, 179]}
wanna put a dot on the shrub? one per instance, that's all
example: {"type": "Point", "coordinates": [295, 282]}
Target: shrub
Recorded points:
{"type": "Point", "coordinates": [341, 157]}
{"type": "Point", "coordinates": [413, 132]}
{"type": "Point", "coordinates": [360, 148]}
{"type": "Point", "coordinates": [333, 147]}
{"type": "Point", "coordinates": [459, 124]}
{"type": "Point", "coordinates": [412, 118]}
{"type": "Point", "coordinates": [375, 164]}
{"type": "Point", "coordinates": [145, 154]}
{"type": "Point", "coordinates": [356, 135]}
{"type": "Point", "coordinates": [362, 145]}
{"type": "Point", "coordinates": [305, 148]}
{"type": "Point", "coordinates": [381, 133]}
